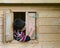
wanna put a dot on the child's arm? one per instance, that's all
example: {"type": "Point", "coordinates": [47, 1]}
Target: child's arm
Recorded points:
{"type": "Point", "coordinates": [31, 32]}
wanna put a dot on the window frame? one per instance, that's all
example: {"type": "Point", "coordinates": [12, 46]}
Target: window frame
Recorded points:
{"type": "Point", "coordinates": [32, 41]}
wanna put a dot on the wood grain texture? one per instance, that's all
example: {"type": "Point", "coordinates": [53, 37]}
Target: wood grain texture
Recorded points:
{"type": "Point", "coordinates": [49, 21]}
{"type": "Point", "coordinates": [49, 37]}
{"type": "Point", "coordinates": [49, 29]}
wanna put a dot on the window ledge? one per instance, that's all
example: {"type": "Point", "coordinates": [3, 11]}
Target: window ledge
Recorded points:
{"type": "Point", "coordinates": [17, 42]}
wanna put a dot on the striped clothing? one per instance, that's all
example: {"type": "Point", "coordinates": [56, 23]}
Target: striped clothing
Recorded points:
{"type": "Point", "coordinates": [19, 36]}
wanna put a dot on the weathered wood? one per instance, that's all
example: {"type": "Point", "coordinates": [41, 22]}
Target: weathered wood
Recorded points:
{"type": "Point", "coordinates": [49, 37]}
{"type": "Point", "coordinates": [1, 21]}
{"type": "Point", "coordinates": [31, 23]}
{"type": "Point", "coordinates": [1, 30]}
{"type": "Point", "coordinates": [49, 21]}
{"type": "Point", "coordinates": [49, 13]}
{"type": "Point", "coordinates": [1, 13]}
{"type": "Point", "coordinates": [8, 28]}
{"type": "Point", "coordinates": [0, 37]}
{"type": "Point", "coordinates": [49, 29]}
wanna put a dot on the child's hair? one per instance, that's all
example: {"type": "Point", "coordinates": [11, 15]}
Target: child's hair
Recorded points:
{"type": "Point", "coordinates": [18, 24]}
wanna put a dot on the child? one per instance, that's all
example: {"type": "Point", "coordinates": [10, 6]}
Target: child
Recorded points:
{"type": "Point", "coordinates": [19, 31]}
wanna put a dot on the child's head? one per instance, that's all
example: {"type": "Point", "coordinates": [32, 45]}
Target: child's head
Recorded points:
{"type": "Point", "coordinates": [18, 24]}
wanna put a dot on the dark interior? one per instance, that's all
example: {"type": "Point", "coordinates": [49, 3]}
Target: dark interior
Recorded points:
{"type": "Point", "coordinates": [20, 15]}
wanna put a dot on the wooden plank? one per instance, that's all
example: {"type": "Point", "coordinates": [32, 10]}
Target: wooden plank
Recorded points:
{"type": "Point", "coordinates": [31, 23]}
{"type": "Point", "coordinates": [49, 37]}
{"type": "Point", "coordinates": [1, 30]}
{"type": "Point", "coordinates": [49, 21]}
{"type": "Point", "coordinates": [49, 13]}
{"type": "Point", "coordinates": [1, 26]}
{"type": "Point", "coordinates": [49, 29]}
{"type": "Point", "coordinates": [1, 21]}
{"type": "Point", "coordinates": [1, 13]}
{"type": "Point", "coordinates": [8, 28]}
{"type": "Point", "coordinates": [50, 44]}
{"type": "Point", "coordinates": [0, 37]}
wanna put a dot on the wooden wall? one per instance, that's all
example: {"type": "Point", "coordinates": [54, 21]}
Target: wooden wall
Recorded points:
{"type": "Point", "coordinates": [1, 25]}
{"type": "Point", "coordinates": [29, 1]}
{"type": "Point", "coordinates": [48, 26]}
